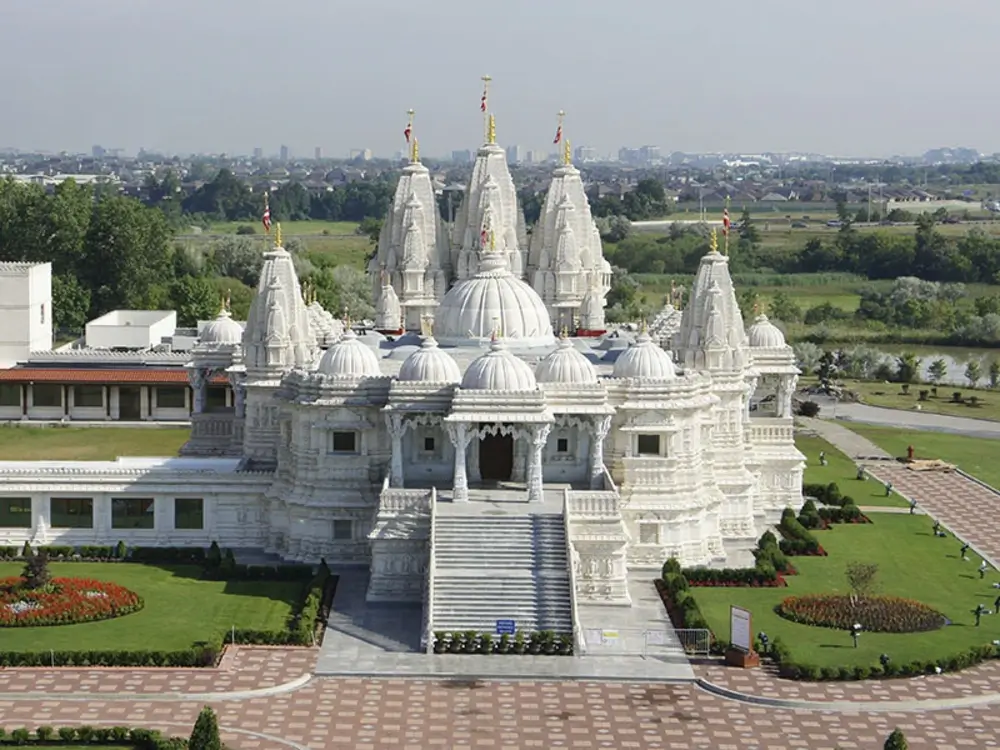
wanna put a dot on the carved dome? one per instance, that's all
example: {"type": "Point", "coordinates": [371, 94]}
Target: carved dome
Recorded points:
{"type": "Point", "coordinates": [223, 331]}
{"type": "Point", "coordinates": [644, 360]}
{"type": "Point", "coordinates": [430, 364]}
{"type": "Point", "coordinates": [566, 366]}
{"type": "Point", "coordinates": [764, 334]}
{"type": "Point", "coordinates": [499, 370]}
{"type": "Point", "coordinates": [350, 358]}
{"type": "Point", "coordinates": [492, 299]}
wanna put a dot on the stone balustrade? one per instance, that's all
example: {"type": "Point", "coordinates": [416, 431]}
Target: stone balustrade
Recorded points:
{"type": "Point", "coordinates": [593, 504]}
{"type": "Point", "coordinates": [770, 433]}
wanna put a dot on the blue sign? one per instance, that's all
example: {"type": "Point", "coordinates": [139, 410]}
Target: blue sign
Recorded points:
{"type": "Point", "coordinates": [506, 627]}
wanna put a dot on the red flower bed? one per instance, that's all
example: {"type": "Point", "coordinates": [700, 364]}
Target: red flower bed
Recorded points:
{"type": "Point", "coordinates": [880, 614]}
{"type": "Point", "coordinates": [63, 602]}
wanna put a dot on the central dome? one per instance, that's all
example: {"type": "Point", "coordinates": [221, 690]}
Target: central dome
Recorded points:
{"type": "Point", "coordinates": [493, 301]}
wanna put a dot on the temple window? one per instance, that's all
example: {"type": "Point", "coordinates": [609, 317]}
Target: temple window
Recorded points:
{"type": "Point", "coordinates": [344, 442]}
{"type": "Point", "coordinates": [215, 398]}
{"type": "Point", "coordinates": [88, 395]}
{"type": "Point", "coordinates": [170, 397]}
{"type": "Point", "coordinates": [189, 513]}
{"type": "Point", "coordinates": [649, 533]}
{"type": "Point", "coordinates": [648, 445]}
{"type": "Point", "coordinates": [72, 512]}
{"type": "Point", "coordinates": [132, 513]}
{"type": "Point", "coordinates": [428, 445]}
{"type": "Point", "coordinates": [15, 512]}
{"type": "Point", "coordinates": [343, 530]}
{"type": "Point", "coordinates": [562, 445]}
{"type": "Point", "coordinates": [10, 394]}
{"type": "Point", "coordinates": [46, 394]}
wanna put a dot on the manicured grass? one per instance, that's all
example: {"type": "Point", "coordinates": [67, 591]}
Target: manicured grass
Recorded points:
{"type": "Point", "coordinates": [348, 250]}
{"type": "Point", "coordinates": [891, 396]}
{"type": "Point", "coordinates": [181, 609]}
{"type": "Point", "coordinates": [88, 443]}
{"type": "Point", "coordinates": [912, 564]}
{"type": "Point", "coordinates": [289, 228]}
{"type": "Point", "coordinates": [841, 469]}
{"type": "Point", "coordinates": [977, 456]}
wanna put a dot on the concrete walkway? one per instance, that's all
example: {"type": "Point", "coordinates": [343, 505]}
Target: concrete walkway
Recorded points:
{"type": "Point", "coordinates": [849, 443]}
{"type": "Point", "coordinates": [906, 419]}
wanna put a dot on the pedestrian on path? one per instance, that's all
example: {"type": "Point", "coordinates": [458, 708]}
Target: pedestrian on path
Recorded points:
{"type": "Point", "coordinates": [888, 489]}
{"type": "Point", "coordinates": [937, 529]}
{"type": "Point", "coordinates": [983, 566]}
{"type": "Point", "coordinates": [980, 611]}
{"type": "Point", "coordinates": [965, 548]}
{"type": "Point", "coordinates": [861, 473]}
{"type": "Point", "coordinates": [913, 507]}
{"type": "Point", "coordinates": [996, 604]}
{"type": "Point", "coordinates": [822, 458]}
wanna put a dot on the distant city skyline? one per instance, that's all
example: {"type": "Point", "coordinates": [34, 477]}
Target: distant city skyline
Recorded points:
{"type": "Point", "coordinates": [869, 80]}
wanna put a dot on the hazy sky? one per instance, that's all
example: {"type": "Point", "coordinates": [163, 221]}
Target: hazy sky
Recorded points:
{"type": "Point", "coordinates": [864, 77]}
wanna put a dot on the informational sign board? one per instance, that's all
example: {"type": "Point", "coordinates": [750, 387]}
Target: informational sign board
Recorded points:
{"type": "Point", "coordinates": [740, 629]}
{"type": "Point", "coordinates": [609, 637]}
{"type": "Point", "coordinates": [506, 627]}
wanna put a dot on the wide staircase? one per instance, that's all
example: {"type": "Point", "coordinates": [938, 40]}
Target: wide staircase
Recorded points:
{"type": "Point", "coordinates": [501, 568]}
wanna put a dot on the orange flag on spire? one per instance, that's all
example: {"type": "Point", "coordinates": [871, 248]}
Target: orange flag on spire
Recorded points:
{"type": "Point", "coordinates": [558, 137]}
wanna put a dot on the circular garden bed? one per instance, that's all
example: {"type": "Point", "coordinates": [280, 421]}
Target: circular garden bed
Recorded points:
{"type": "Point", "coordinates": [875, 614]}
{"type": "Point", "coordinates": [63, 601]}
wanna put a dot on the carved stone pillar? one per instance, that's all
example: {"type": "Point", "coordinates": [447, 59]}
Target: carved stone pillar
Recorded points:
{"type": "Point", "coordinates": [601, 426]}
{"type": "Point", "coordinates": [789, 384]}
{"type": "Point", "coordinates": [751, 389]}
{"type": "Point", "coordinates": [396, 427]}
{"type": "Point", "coordinates": [198, 378]}
{"type": "Point", "coordinates": [460, 435]}
{"type": "Point", "coordinates": [240, 399]}
{"type": "Point", "coordinates": [539, 436]}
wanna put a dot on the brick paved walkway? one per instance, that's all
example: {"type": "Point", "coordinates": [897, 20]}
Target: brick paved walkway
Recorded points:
{"type": "Point", "coordinates": [416, 715]}
{"type": "Point", "coordinates": [242, 669]}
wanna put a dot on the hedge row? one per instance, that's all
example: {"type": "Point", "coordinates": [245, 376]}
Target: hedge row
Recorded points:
{"type": "Point", "coordinates": [301, 630]}
{"type": "Point", "coordinates": [812, 518]}
{"type": "Point", "coordinates": [142, 739]}
{"type": "Point", "coordinates": [544, 642]}
{"type": "Point", "coordinates": [797, 538]}
{"type": "Point", "coordinates": [779, 653]}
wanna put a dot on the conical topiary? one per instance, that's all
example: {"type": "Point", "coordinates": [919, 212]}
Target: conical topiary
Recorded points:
{"type": "Point", "coordinates": [895, 741]}
{"type": "Point", "coordinates": [205, 735]}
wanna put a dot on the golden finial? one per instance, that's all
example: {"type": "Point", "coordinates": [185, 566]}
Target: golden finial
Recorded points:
{"type": "Point", "coordinates": [713, 241]}
{"type": "Point", "coordinates": [493, 240]}
{"type": "Point", "coordinates": [756, 307]}
{"type": "Point", "coordinates": [347, 319]}
{"type": "Point", "coordinates": [567, 153]}
{"type": "Point", "coordinates": [415, 156]}
{"type": "Point", "coordinates": [497, 330]}
{"type": "Point", "coordinates": [277, 234]}
{"type": "Point", "coordinates": [564, 333]}
{"type": "Point", "coordinates": [228, 300]}
{"type": "Point", "coordinates": [426, 325]}
{"type": "Point", "coordinates": [644, 326]}
{"type": "Point", "coordinates": [491, 131]}
{"type": "Point", "coordinates": [222, 303]}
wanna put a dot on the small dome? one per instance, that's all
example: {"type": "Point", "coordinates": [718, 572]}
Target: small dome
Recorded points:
{"type": "Point", "coordinates": [475, 307]}
{"type": "Point", "coordinates": [566, 365]}
{"type": "Point", "coordinates": [499, 370]}
{"type": "Point", "coordinates": [764, 334]}
{"type": "Point", "coordinates": [223, 331]}
{"type": "Point", "coordinates": [350, 358]}
{"type": "Point", "coordinates": [430, 364]}
{"type": "Point", "coordinates": [644, 360]}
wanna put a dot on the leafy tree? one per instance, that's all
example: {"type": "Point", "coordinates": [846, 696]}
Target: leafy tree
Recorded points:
{"type": "Point", "coordinates": [70, 303]}
{"type": "Point", "coordinates": [238, 258]}
{"type": "Point", "coordinates": [987, 305]}
{"type": "Point", "coordinates": [973, 372]}
{"type": "Point", "coordinates": [937, 370]}
{"type": "Point", "coordinates": [194, 299]}
{"type": "Point", "coordinates": [205, 735]}
{"type": "Point", "coordinates": [225, 197]}
{"type": "Point", "coordinates": [896, 741]}
{"type": "Point", "coordinates": [36, 571]}
{"type": "Point", "coordinates": [784, 309]}
{"type": "Point", "coordinates": [747, 231]}
{"type": "Point", "coordinates": [344, 287]}
{"type": "Point", "coordinates": [749, 302]}
{"type": "Point", "coordinates": [531, 202]}
{"type": "Point", "coordinates": [907, 367]}
{"type": "Point", "coordinates": [861, 579]}
{"type": "Point", "coordinates": [994, 373]}
{"type": "Point", "coordinates": [372, 228]}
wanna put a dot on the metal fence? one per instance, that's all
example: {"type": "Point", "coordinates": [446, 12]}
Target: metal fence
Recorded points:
{"type": "Point", "coordinates": [624, 642]}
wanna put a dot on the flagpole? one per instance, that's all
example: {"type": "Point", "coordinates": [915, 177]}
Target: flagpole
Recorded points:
{"type": "Point", "coordinates": [486, 106]}
{"type": "Point", "coordinates": [728, 223]}
{"type": "Point", "coordinates": [410, 140]}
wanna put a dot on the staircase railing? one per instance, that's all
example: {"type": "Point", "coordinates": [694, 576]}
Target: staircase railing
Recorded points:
{"type": "Point", "coordinates": [571, 554]}
{"type": "Point", "coordinates": [431, 570]}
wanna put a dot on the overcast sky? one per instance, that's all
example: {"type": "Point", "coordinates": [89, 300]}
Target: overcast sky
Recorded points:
{"type": "Point", "coordinates": [855, 77]}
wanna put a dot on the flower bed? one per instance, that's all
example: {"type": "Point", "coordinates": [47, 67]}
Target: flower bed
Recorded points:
{"type": "Point", "coordinates": [880, 614]}
{"type": "Point", "coordinates": [63, 602]}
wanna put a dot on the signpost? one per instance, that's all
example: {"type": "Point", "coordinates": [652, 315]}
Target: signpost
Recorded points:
{"type": "Point", "coordinates": [741, 653]}
{"type": "Point", "coordinates": [506, 627]}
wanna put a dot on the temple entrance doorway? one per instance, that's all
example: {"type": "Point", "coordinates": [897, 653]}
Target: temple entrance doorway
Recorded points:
{"type": "Point", "coordinates": [496, 457]}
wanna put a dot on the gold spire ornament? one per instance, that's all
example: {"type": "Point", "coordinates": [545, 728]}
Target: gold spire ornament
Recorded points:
{"type": "Point", "coordinates": [277, 234]}
{"type": "Point", "coordinates": [713, 241]}
{"type": "Point", "coordinates": [567, 153]}
{"type": "Point", "coordinates": [491, 131]}
{"type": "Point", "coordinates": [493, 240]}
{"type": "Point", "coordinates": [564, 333]}
{"type": "Point", "coordinates": [426, 325]}
{"type": "Point", "coordinates": [415, 155]}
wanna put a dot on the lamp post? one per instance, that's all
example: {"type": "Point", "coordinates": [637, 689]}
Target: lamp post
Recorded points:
{"type": "Point", "coordinates": [855, 632]}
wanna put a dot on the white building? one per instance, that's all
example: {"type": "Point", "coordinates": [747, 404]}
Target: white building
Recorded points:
{"type": "Point", "coordinates": [481, 441]}
{"type": "Point", "coordinates": [26, 310]}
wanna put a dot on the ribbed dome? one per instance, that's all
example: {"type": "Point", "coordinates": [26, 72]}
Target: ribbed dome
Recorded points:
{"type": "Point", "coordinates": [223, 331]}
{"type": "Point", "coordinates": [494, 298]}
{"type": "Point", "coordinates": [566, 365]}
{"type": "Point", "coordinates": [349, 358]}
{"type": "Point", "coordinates": [644, 360]}
{"type": "Point", "coordinates": [764, 334]}
{"type": "Point", "coordinates": [499, 370]}
{"type": "Point", "coordinates": [430, 364]}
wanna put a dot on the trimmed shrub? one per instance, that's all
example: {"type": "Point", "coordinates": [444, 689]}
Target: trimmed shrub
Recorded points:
{"type": "Point", "coordinates": [205, 735]}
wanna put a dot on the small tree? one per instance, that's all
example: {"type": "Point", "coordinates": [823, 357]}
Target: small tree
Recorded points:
{"type": "Point", "coordinates": [861, 579]}
{"type": "Point", "coordinates": [205, 735]}
{"type": "Point", "coordinates": [937, 370]}
{"type": "Point", "coordinates": [994, 373]}
{"type": "Point", "coordinates": [895, 741]}
{"type": "Point", "coordinates": [973, 372]}
{"type": "Point", "coordinates": [36, 571]}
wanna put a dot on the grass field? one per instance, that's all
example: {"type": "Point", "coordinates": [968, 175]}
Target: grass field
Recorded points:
{"type": "Point", "coordinates": [88, 443]}
{"type": "Point", "coordinates": [977, 456]}
{"type": "Point", "coordinates": [290, 228]}
{"type": "Point", "coordinates": [912, 564]}
{"type": "Point", "coordinates": [841, 469]}
{"type": "Point", "coordinates": [891, 396]}
{"type": "Point", "coordinates": [180, 609]}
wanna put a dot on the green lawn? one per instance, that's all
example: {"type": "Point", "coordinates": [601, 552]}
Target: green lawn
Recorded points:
{"type": "Point", "coordinates": [289, 228]}
{"type": "Point", "coordinates": [88, 443]}
{"type": "Point", "coordinates": [180, 609]}
{"type": "Point", "coordinates": [891, 396]}
{"type": "Point", "coordinates": [977, 456]}
{"type": "Point", "coordinates": [841, 469]}
{"type": "Point", "coordinates": [912, 564]}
